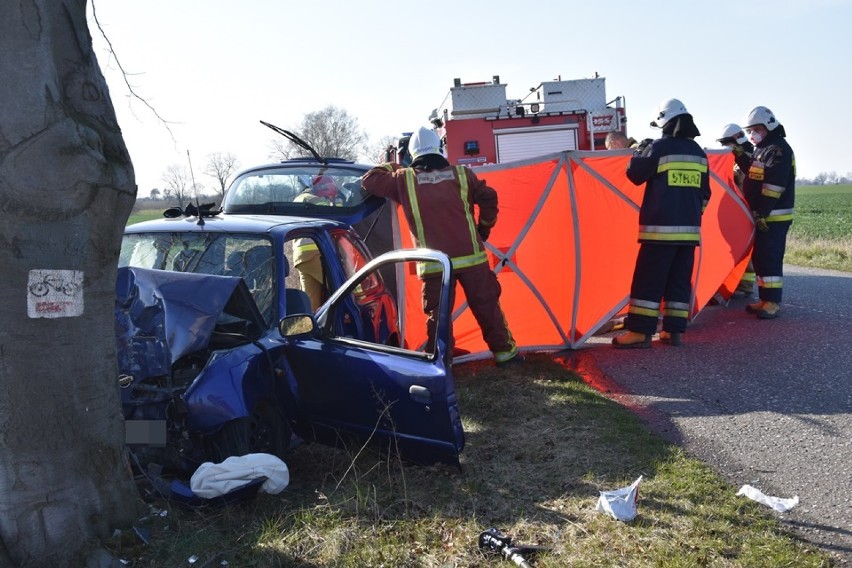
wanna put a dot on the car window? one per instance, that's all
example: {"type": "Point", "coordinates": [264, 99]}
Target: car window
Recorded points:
{"type": "Point", "coordinates": [246, 256]}
{"type": "Point", "coordinates": [353, 258]}
{"type": "Point", "coordinates": [289, 189]}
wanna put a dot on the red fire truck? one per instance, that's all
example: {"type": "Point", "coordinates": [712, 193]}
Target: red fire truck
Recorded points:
{"type": "Point", "coordinates": [480, 125]}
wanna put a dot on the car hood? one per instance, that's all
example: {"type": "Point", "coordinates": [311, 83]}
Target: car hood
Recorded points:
{"type": "Point", "coordinates": [162, 316]}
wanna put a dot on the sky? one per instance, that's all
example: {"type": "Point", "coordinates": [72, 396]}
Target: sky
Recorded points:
{"type": "Point", "coordinates": [212, 69]}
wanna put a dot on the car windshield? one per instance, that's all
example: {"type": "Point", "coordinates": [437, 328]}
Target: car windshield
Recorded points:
{"type": "Point", "coordinates": [247, 256]}
{"type": "Point", "coordinates": [304, 189]}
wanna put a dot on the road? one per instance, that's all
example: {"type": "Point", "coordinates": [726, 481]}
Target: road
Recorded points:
{"type": "Point", "coordinates": [765, 403]}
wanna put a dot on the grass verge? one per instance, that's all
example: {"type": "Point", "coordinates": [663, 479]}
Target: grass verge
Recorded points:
{"type": "Point", "coordinates": [821, 234]}
{"type": "Point", "coordinates": [540, 446]}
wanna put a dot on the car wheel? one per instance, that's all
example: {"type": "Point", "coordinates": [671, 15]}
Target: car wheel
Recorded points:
{"type": "Point", "coordinates": [263, 431]}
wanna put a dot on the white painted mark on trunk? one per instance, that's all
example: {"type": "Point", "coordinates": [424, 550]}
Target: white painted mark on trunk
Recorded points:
{"type": "Point", "coordinates": [55, 293]}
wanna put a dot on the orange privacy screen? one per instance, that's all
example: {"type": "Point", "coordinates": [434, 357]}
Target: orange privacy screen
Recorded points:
{"type": "Point", "coordinates": [565, 245]}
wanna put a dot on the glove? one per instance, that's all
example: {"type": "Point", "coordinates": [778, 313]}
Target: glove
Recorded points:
{"type": "Point", "coordinates": [484, 232]}
{"type": "Point", "coordinates": [760, 223]}
{"type": "Point", "coordinates": [643, 145]}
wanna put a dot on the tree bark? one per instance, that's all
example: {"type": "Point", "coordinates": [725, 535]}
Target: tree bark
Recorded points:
{"type": "Point", "coordinates": [66, 189]}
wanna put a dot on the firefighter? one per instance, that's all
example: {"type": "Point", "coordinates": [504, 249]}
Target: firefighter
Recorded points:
{"type": "Point", "coordinates": [306, 255]}
{"type": "Point", "coordinates": [734, 138]}
{"type": "Point", "coordinates": [677, 188]}
{"type": "Point", "coordinates": [438, 201]}
{"type": "Point", "coordinates": [769, 189]}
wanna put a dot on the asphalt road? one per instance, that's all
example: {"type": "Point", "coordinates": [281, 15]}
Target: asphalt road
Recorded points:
{"type": "Point", "coordinates": [765, 403]}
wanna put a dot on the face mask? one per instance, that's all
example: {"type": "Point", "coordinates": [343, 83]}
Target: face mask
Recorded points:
{"type": "Point", "coordinates": [755, 137]}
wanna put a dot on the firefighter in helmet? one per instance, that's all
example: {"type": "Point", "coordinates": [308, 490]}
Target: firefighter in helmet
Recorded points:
{"type": "Point", "coordinates": [675, 172]}
{"type": "Point", "coordinates": [769, 188]}
{"type": "Point", "coordinates": [734, 138]}
{"type": "Point", "coordinates": [438, 201]}
{"type": "Point", "coordinates": [306, 255]}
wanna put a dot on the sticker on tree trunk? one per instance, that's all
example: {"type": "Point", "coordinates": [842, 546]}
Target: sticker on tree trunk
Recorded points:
{"type": "Point", "coordinates": [55, 294]}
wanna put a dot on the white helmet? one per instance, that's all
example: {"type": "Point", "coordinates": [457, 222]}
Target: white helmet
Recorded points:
{"type": "Point", "coordinates": [668, 110]}
{"type": "Point", "coordinates": [732, 132]}
{"type": "Point", "coordinates": [761, 115]}
{"type": "Point", "coordinates": [424, 141]}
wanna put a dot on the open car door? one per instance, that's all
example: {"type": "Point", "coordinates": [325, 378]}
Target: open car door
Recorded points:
{"type": "Point", "coordinates": [401, 398]}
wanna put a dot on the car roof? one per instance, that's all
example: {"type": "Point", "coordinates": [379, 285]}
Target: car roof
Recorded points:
{"type": "Point", "coordinates": [232, 224]}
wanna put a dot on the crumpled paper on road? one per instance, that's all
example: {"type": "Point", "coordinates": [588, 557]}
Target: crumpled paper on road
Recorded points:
{"type": "Point", "coordinates": [778, 503]}
{"type": "Point", "coordinates": [620, 503]}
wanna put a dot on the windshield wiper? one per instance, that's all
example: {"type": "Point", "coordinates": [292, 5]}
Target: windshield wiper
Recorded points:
{"type": "Point", "coordinates": [297, 141]}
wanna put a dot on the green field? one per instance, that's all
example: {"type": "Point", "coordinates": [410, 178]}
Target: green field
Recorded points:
{"type": "Point", "coordinates": [145, 215]}
{"type": "Point", "coordinates": [821, 235]}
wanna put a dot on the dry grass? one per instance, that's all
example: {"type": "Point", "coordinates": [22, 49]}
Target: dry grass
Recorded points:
{"type": "Point", "coordinates": [540, 446]}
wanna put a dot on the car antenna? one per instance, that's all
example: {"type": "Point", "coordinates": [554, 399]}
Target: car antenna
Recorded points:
{"type": "Point", "coordinates": [194, 189]}
{"type": "Point", "coordinates": [296, 140]}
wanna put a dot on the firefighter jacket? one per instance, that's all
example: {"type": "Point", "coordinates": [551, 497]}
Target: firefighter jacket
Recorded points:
{"type": "Point", "coordinates": [439, 207]}
{"type": "Point", "coordinates": [305, 249]}
{"type": "Point", "coordinates": [770, 181]}
{"type": "Point", "coordinates": [677, 188]}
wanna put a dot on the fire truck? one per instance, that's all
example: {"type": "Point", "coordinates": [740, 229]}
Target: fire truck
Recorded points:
{"type": "Point", "coordinates": [479, 125]}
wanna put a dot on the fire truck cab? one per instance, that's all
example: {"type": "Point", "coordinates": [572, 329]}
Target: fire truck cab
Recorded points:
{"type": "Point", "coordinates": [480, 125]}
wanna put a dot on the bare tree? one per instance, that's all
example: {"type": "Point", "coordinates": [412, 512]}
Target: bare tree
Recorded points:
{"type": "Point", "coordinates": [67, 187]}
{"type": "Point", "coordinates": [179, 186]}
{"type": "Point", "coordinates": [376, 153]}
{"type": "Point", "coordinates": [221, 167]}
{"type": "Point", "coordinates": [332, 132]}
{"type": "Point", "coordinates": [155, 193]}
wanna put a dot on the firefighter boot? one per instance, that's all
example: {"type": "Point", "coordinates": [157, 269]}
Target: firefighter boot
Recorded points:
{"type": "Point", "coordinates": [670, 337]}
{"type": "Point", "coordinates": [755, 307]}
{"type": "Point", "coordinates": [632, 340]}
{"type": "Point", "coordinates": [769, 310]}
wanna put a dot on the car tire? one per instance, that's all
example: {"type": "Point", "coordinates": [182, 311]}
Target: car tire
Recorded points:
{"type": "Point", "coordinates": [264, 430]}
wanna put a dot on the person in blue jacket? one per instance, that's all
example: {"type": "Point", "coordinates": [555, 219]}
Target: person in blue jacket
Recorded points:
{"type": "Point", "coordinates": [675, 172]}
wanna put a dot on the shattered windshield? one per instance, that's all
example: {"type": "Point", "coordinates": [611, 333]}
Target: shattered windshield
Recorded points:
{"type": "Point", "coordinates": [296, 189]}
{"type": "Point", "coordinates": [247, 256]}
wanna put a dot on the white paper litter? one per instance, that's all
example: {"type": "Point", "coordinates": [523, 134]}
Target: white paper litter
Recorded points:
{"type": "Point", "coordinates": [779, 504]}
{"type": "Point", "coordinates": [620, 503]}
{"type": "Point", "coordinates": [216, 479]}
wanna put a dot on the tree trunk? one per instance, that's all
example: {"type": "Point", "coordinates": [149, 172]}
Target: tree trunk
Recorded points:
{"type": "Point", "coordinates": [66, 189]}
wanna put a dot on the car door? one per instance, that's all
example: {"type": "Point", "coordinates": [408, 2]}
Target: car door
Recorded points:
{"type": "Point", "coordinates": [403, 399]}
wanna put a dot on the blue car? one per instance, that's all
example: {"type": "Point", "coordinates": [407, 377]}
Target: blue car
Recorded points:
{"type": "Point", "coordinates": [222, 352]}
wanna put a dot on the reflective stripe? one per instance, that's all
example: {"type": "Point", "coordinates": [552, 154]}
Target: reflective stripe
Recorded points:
{"type": "Point", "coordinates": [306, 247]}
{"type": "Point", "coordinates": [672, 312]}
{"type": "Point", "coordinates": [677, 305]}
{"type": "Point", "coordinates": [682, 162]}
{"type": "Point", "coordinates": [770, 281]}
{"type": "Point", "coordinates": [670, 233]}
{"type": "Point", "coordinates": [644, 308]}
{"type": "Point", "coordinates": [749, 277]}
{"type": "Point", "coordinates": [388, 166]}
{"type": "Point", "coordinates": [503, 356]}
{"type": "Point", "coordinates": [770, 190]}
{"type": "Point", "coordinates": [780, 215]}
{"type": "Point", "coordinates": [457, 261]}
{"type": "Point", "coordinates": [410, 186]}
{"type": "Point", "coordinates": [471, 224]}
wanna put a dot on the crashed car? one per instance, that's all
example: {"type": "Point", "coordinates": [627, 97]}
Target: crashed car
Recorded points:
{"type": "Point", "coordinates": [222, 354]}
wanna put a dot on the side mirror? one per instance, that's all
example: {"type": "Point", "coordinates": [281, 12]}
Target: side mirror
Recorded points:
{"type": "Point", "coordinates": [296, 325]}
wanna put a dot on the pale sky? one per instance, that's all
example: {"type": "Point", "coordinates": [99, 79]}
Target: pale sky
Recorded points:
{"type": "Point", "coordinates": [215, 68]}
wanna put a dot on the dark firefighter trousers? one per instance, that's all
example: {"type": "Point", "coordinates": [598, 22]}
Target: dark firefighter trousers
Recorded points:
{"type": "Point", "coordinates": [482, 291]}
{"type": "Point", "coordinates": [663, 272]}
{"type": "Point", "coordinates": [768, 259]}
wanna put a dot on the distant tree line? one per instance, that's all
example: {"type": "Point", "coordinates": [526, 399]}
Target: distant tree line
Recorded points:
{"type": "Point", "coordinates": [826, 178]}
